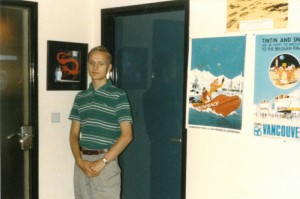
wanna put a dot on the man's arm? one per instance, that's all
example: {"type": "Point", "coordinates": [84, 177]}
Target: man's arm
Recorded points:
{"type": "Point", "coordinates": [122, 142]}
{"type": "Point", "coordinates": [84, 165]}
{"type": "Point", "coordinates": [118, 147]}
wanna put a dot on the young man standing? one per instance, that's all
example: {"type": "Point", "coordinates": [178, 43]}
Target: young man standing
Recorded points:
{"type": "Point", "coordinates": [101, 129]}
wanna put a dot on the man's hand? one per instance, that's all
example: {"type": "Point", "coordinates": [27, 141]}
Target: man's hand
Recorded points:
{"type": "Point", "coordinates": [98, 166]}
{"type": "Point", "coordinates": [87, 168]}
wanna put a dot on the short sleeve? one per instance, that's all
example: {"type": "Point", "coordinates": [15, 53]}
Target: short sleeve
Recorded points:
{"type": "Point", "coordinates": [123, 109]}
{"type": "Point", "coordinates": [74, 114]}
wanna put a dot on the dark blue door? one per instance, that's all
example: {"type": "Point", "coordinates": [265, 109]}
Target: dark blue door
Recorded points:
{"type": "Point", "coordinates": [149, 65]}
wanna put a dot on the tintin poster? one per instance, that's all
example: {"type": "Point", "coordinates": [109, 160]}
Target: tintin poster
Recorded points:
{"type": "Point", "coordinates": [277, 87]}
{"type": "Point", "coordinates": [215, 83]}
{"type": "Point", "coordinates": [256, 14]}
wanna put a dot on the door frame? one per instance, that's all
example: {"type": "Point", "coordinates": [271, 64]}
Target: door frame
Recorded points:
{"type": "Point", "coordinates": [107, 39]}
{"type": "Point", "coordinates": [33, 18]}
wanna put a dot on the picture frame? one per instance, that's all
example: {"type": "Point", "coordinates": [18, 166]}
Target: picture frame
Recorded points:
{"type": "Point", "coordinates": [66, 65]}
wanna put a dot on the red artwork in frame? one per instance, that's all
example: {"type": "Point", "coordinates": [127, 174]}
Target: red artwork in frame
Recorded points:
{"type": "Point", "coordinates": [66, 66]}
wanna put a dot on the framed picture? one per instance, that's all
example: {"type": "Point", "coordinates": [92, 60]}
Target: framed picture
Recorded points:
{"type": "Point", "coordinates": [66, 66]}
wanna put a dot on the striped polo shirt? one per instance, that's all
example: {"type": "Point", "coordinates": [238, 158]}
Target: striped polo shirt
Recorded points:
{"type": "Point", "coordinates": [100, 113]}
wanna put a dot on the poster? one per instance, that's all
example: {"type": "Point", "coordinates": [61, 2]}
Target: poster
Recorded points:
{"type": "Point", "coordinates": [215, 83]}
{"type": "Point", "coordinates": [277, 87]}
{"type": "Point", "coordinates": [256, 14]}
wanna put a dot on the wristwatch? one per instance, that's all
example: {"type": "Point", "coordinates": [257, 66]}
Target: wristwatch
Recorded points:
{"type": "Point", "coordinates": [105, 161]}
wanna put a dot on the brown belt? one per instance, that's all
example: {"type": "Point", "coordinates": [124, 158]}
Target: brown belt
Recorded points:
{"type": "Point", "coordinates": [92, 152]}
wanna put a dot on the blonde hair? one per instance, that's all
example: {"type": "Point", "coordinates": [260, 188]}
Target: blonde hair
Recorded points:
{"type": "Point", "coordinates": [101, 49]}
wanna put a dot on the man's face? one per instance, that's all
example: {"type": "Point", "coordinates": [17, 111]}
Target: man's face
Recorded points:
{"type": "Point", "coordinates": [98, 65]}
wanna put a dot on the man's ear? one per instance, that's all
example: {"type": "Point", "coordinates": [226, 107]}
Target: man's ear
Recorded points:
{"type": "Point", "coordinates": [109, 72]}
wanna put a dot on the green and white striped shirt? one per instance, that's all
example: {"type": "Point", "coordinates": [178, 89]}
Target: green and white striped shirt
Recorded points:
{"type": "Point", "coordinates": [100, 113]}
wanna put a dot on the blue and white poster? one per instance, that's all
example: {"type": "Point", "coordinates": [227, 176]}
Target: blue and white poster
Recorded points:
{"type": "Point", "coordinates": [277, 87]}
{"type": "Point", "coordinates": [215, 83]}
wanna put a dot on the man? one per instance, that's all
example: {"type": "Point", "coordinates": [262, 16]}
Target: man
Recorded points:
{"type": "Point", "coordinates": [101, 129]}
{"type": "Point", "coordinates": [214, 86]}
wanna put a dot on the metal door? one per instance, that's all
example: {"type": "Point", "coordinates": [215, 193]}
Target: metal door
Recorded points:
{"type": "Point", "coordinates": [149, 51]}
{"type": "Point", "coordinates": [18, 100]}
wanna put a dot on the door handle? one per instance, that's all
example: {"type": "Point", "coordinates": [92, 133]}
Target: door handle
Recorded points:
{"type": "Point", "coordinates": [13, 135]}
{"type": "Point", "coordinates": [176, 140]}
{"type": "Point", "coordinates": [25, 137]}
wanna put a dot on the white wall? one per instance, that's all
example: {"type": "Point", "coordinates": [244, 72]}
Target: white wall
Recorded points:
{"type": "Point", "coordinates": [239, 166]}
{"type": "Point", "coordinates": [70, 21]}
{"type": "Point", "coordinates": [219, 165]}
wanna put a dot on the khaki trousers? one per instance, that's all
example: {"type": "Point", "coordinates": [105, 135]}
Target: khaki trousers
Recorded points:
{"type": "Point", "coordinates": [107, 185]}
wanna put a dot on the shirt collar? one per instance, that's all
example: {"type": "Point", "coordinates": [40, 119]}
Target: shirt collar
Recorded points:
{"type": "Point", "coordinates": [104, 87]}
